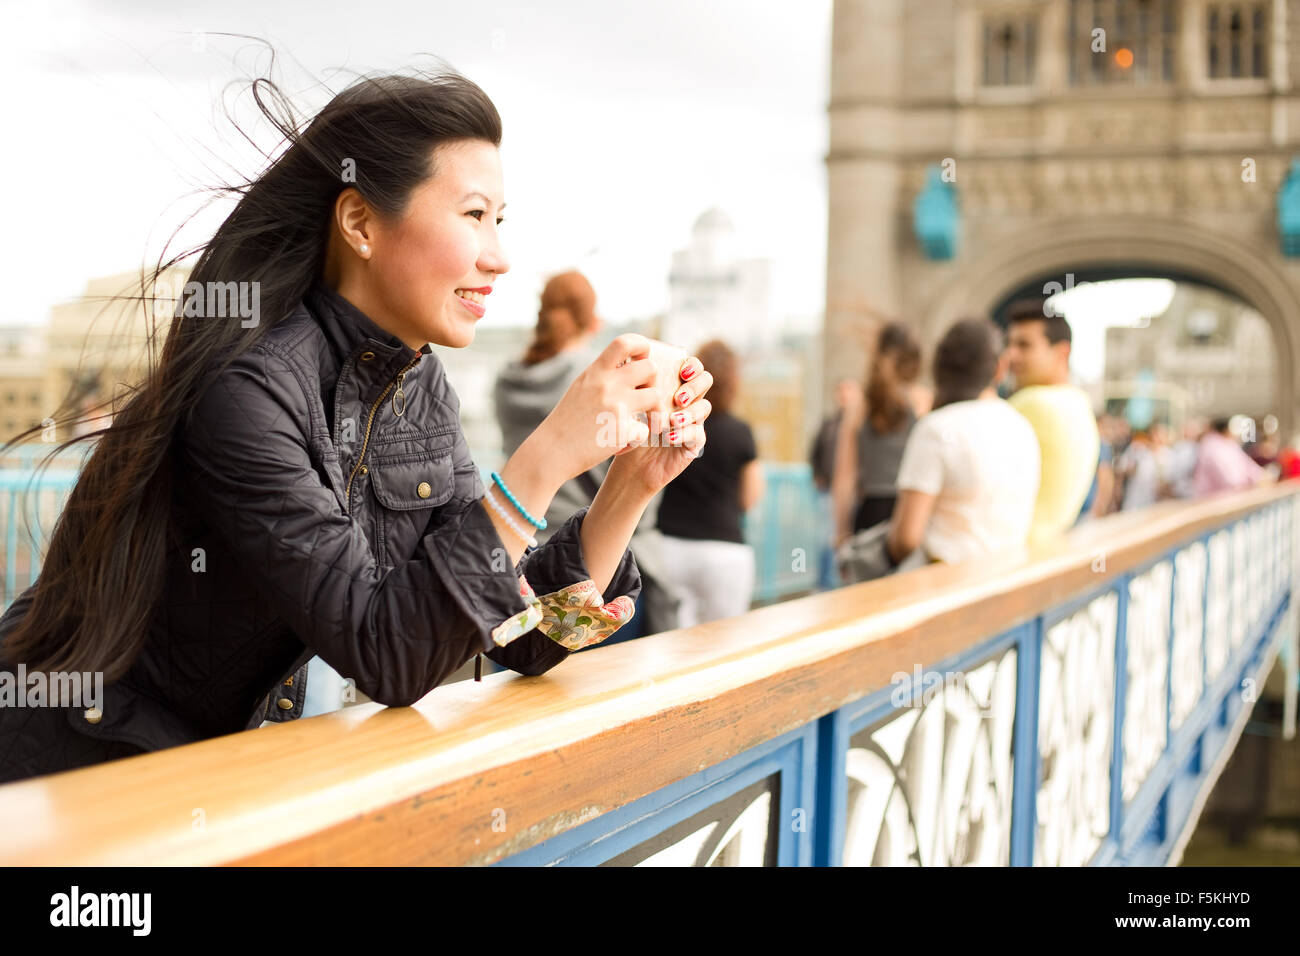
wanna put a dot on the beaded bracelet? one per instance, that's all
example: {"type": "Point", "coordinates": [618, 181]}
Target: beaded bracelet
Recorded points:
{"type": "Point", "coordinates": [505, 515]}
{"type": "Point", "coordinates": [539, 525]}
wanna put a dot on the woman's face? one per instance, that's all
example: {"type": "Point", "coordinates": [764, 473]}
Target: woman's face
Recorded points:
{"type": "Point", "coordinates": [445, 243]}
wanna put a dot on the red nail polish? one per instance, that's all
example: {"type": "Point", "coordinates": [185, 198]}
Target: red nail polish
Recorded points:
{"type": "Point", "coordinates": [679, 418]}
{"type": "Point", "coordinates": [682, 396]}
{"type": "Point", "coordinates": [672, 436]}
{"type": "Point", "coordinates": [690, 370]}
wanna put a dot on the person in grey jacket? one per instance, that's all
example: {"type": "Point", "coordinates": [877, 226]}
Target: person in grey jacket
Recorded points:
{"type": "Point", "coordinates": [529, 387]}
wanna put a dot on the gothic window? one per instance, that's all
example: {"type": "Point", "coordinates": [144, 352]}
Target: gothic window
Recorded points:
{"type": "Point", "coordinates": [1236, 39]}
{"type": "Point", "coordinates": [1009, 50]}
{"type": "Point", "coordinates": [1129, 42]}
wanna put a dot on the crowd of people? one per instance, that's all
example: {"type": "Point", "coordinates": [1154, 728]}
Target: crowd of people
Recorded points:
{"type": "Point", "coordinates": [923, 474]}
{"type": "Point", "coordinates": [1141, 466]}
{"type": "Point", "coordinates": [909, 476]}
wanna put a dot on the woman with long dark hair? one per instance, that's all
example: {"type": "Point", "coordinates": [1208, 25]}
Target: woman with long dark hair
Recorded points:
{"type": "Point", "coordinates": [873, 432]}
{"type": "Point", "coordinates": [291, 479]}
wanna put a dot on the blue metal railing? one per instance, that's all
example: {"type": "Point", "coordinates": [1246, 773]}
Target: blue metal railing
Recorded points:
{"type": "Point", "coordinates": [29, 509]}
{"type": "Point", "coordinates": [788, 530]}
{"type": "Point", "coordinates": [1086, 735]}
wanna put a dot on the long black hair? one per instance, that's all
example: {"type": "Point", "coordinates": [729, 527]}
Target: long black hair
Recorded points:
{"type": "Point", "coordinates": [106, 563]}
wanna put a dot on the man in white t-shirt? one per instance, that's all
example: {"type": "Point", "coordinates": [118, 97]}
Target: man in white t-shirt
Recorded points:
{"type": "Point", "coordinates": [968, 480]}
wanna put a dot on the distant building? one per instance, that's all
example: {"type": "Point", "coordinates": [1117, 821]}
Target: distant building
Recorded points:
{"type": "Point", "coordinates": [777, 398]}
{"type": "Point", "coordinates": [97, 344]}
{"type": "Point", "coordinates": [92, 348]}
{"type": "Point", "coordinates": [23, 399]}
{"type": "Point", "coordinates": [714, 293]}
{"type": "Point", "coordinates": [1209, 344]}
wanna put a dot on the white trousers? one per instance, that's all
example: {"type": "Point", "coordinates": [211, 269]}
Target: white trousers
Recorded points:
{"type": "Point", "coordinates": [714, 579]}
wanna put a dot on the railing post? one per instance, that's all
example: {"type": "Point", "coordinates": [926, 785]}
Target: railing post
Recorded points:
{"type": "Point", "coordinates": [1292, 658]}
{"type": "Point", "coordinates": [1024, 787]}
{"type": "Point", "coordinates": [1169, 649]}
{"type": "Point", "coordinates": [1121, 691]}
{"type": "Point", "coordinates": [829, 808]}
{"type": "Point", "coordinates": [1205, 620]}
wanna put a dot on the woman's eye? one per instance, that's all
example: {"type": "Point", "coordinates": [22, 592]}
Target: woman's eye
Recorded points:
{"type": "Point", "coordinates": [479, 213]}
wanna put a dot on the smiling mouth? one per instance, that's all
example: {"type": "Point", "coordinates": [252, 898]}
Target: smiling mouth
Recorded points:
{"type": "Point", "coordinates": [472, 301]}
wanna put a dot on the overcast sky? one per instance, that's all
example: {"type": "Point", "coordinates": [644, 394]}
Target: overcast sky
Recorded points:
{"type": "Point", "coordinates": [622, 123]}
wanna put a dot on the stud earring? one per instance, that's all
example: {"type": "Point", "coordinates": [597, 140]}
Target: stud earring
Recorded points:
{"type": "Point", "coordinates": [365, 249]}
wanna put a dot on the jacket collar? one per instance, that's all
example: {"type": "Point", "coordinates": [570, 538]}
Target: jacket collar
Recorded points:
{"type": "Point", "coordinates": [351, 334]}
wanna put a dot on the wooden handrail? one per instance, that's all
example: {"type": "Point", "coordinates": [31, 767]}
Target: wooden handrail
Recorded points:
{"type": "Point", "coordinates": [479, 771]}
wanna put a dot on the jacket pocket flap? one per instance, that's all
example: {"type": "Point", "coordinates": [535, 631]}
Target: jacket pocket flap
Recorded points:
{"type": "Point", "coordinates": [404, 484]}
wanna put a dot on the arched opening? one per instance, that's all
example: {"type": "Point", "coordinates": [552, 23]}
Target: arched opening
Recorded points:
{"type": "Point", "coordinates": [1116, 247]}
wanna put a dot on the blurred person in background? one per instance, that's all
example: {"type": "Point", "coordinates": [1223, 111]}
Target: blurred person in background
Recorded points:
{"type": "Point", "coordinates": [1182, 459]}
{"type": "Point", "coordinates": [821, 456]}
{"type": "Point", "coordinates": [1288, 459]}
{"type": "Point", "coordinates": [1121, 436]}
{"type": "Point", "coordinates": [706, 559]}
{"type": "Point", "coordinates": [1101, 494]}
{"type": "Point", "coordinates": [1262, 451]}
{"type": "Point", "coordinates": [1222, 465]}
{"type": "Point", "coordinates": [1038, 352]}
{"type": "Point", "coordinates": [873, 433]}
{"type": "Point", "coordinates": [968, 481]}
{"type": "Point", "coordinates": [528, 388]}
{"type": "Point", "coordinates": [1143, 466]}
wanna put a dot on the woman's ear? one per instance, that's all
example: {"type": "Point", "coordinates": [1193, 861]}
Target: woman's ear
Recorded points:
{"type": "Point", "coordinates": [354, 219]}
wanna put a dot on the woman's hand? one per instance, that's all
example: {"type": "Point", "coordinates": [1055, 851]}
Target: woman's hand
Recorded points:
{"type": "Point", "coordinates": [637, 473]}
{"type": "Point", "coordinates": [597, 415]}
{"type": "Point", "coordinates": [650, 467]}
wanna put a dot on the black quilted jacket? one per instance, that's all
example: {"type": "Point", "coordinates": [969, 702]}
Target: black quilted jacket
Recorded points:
{"type": "Point", "coordinates": [311, 518]}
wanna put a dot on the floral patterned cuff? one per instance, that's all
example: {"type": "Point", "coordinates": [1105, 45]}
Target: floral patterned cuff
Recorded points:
{"type": "Point", "coordinates": [520, 623]}
{"type": "Point", "coordinates": [573, 616]}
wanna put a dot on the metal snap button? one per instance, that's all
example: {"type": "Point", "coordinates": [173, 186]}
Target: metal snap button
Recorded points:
{"type": "Point", "coordinates": [423, 489]}
{"type": "Point", "coordinates": [284, 703]}
{"type": "Point", "coordinates": [365, 469]}
{"type": "Point", "coordinates": [93, 715]}
{"type": "Point", "coordinates": [367, 356]}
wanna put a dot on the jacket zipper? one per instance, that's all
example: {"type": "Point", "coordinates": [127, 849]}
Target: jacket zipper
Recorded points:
{"type": "Point", "coordinates": [365, 442]}
{"type": "Point", "coordinates": [399, 394]}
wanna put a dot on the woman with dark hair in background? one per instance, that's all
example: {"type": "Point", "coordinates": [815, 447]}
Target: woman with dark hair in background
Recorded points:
{"type": "Point", "coordinates": [873, 432]}
{"type": "Point", "coordinates": [291, 478]}
{"type": "Point", "coordinates": [706, 559]}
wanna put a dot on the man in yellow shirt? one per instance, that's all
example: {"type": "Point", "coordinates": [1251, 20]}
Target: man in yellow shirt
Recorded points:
{"type": "Point", "coordinates": [1038, 349]}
